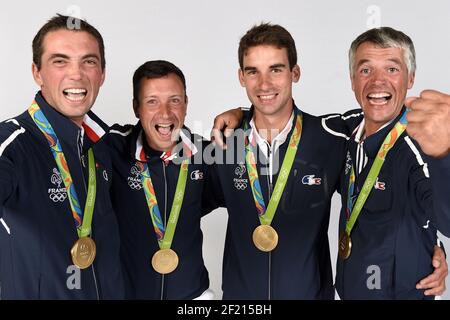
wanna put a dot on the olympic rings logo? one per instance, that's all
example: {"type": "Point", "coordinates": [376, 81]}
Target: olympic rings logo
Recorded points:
{"type": "Point", "coordinates": [135, 185]}
{"type": "Point", "coordinates": [58, 196]}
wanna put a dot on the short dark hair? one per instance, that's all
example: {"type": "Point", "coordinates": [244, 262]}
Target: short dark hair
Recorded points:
{"type": "Point", "coordinates": [154, 70]}
{"type": "Point", "coordinates": [68, 23]}
{"type": "Point", "coordinates": [385, 37]}
{"type": "Point", "coordinates": [268, 34]}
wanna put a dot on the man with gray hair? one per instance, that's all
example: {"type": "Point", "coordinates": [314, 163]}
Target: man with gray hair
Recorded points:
{"type": "Point", "coordinates": [385, 252]}
{"type": "Point", "coordinates": [388, 218]}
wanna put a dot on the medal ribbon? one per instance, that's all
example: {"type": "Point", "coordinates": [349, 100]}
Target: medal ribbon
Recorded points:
{"type": "Point", "coordinates": [369, 183]}
{"type": "Point", "coordinates": [266, 216]}
{"type": "Point", "coordinates": [82, 221]}
{"type": "Point", "coordinates": [164, 235]}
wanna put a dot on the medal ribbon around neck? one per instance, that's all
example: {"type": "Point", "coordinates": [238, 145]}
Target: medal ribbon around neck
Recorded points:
{"type": "Point", "coordinates": [164, 235]}
{"type": "Point", "coordinates": [83, 222]}
{"type": "Point", "coordinates": [266, 216]}
{"type": "Point", "coordinates": [388, 143]}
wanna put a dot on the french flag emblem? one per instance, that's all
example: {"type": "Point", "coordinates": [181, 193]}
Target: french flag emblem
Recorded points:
{"type": "Point", "coordinates": [380, 185]}
{"type": "Point", "coordinates": [310, 180]}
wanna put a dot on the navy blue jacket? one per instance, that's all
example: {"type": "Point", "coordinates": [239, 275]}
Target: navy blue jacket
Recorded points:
{"type": "Point", "coordinates": [394, 236]}
{"type": "Point", "coordinates": [38, 229]}
{"type": "Point", "coordinates": [300, 266]}
{"type": "Point", "coordinates": [139, 242]}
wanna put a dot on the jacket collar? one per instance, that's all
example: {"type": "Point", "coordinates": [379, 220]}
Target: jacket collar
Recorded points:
{"type": "Point", "coordinates": [92, 130]}
{"type": "Point", "coordinates": [279, 140]}
{"type": "Point", "coordinates": [373, 143]}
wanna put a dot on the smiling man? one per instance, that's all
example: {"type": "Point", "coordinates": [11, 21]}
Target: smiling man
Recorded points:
{"type": "Point", "coordinates": [389, 215]}
{"type": "Point", "coordinates": [159, 192]}
{"type": "Point", "coordinates": [382, 69]}
{"type": "Point", "coordinates": [59, 237]}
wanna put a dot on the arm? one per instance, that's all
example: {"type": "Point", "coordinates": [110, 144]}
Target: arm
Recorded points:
{"type": "Point", "coordinates": [226, 122]}
{"type": "Point", "coordinates": [434, 284]}
{"type": "Point", "coordinates": [429, 125]}
{"type": "Point", "coordinates": [212, 197]}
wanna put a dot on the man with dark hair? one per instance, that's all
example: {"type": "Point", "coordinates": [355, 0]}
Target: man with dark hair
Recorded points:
{"type": "Point", "coordinates": [59, 237]}
{"type": "Point", "coordinates": [294, 226]}
{"type": "Point", "coordinates": [278, 190]}
{"type": "Point", "coordinates": [159, 191]}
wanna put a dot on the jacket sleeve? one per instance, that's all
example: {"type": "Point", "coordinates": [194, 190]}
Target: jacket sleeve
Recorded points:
{"type": "Point", "coordinates": [440, 186]}
{"type": "Point", "coordinates": [212, 197]}
{"type": "Point", "coordinates": [8, 180]}
{"type": "Point", "coordinates": [429, 179]}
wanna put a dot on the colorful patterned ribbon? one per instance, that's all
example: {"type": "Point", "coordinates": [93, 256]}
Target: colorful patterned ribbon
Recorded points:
{"type": "Point", "coordinates": [388, 143]}
{"type": "Point", "coordinates": [266, 216]}
{"type": "Point", "coordinates": [82, 221]}
{"type": "Point", "coordinates": [164, 234]}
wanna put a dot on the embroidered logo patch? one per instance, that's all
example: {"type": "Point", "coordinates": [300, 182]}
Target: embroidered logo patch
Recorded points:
{"type": "Point", "coordinates": [135, 179]}
{"type": "Point", "coordinates": [239, 183]}
{"type": "Point", "coordinates": [58, 194]}
{"type": "Point", "coordinates": [196, 175]}
{"type": "Point", "coordinates": [311, 180]}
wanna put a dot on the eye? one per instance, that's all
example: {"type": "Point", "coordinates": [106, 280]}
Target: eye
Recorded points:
{"type": "Point", "coordinates": [251, 72]}
{"type": "Point", "coordinates": [91, 62]}
{"type": "Point", "coordinates": [364, 71]}
{"type": "Point", "coordinates": [152, 102]}
{"type": "Point", "coordinates": [59, 62]}
{"type": "Point", "coordinates": [393, 70]}
{"type": "Point", "coordinates": [276, 70]}
{"type": "Point", "coordinates": [176, 100]}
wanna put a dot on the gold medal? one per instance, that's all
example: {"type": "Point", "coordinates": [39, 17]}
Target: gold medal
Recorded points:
{"type": "Point", "coordinates": [265, 238]}
{"type": "Point", "coordinates": [165, 261]}
{"type": "Point", "coordinates": [345, 245]}
{"type": "Point", "coordinates": [83, 252]}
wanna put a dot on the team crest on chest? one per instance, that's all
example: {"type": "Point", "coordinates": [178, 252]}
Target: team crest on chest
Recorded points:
{"type": "Point", "coordinates": [135, 178]}
{"type": "Point", "coordinates": [240, 183]}
{"type": "Point", "coordinates": [59, 192]}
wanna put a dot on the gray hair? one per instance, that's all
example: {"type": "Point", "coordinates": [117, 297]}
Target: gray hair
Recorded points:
{"type": "Point", "coordinates": [385, 37]}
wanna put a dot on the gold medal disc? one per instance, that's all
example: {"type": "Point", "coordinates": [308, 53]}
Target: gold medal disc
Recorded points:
{"type": "Point", "coordinates": [345, 245]}
{"type": "Point", "coordinates": [165, 261]}
{"type": "Point", "coordinates": [83, 252]}
{"type": "Point", "coordinates": [265, 238]}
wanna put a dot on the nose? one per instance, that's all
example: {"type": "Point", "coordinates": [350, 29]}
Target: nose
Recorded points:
{"type": "Point", "coordinates": [378, 77]}
{"type": "Point", "coordinates": [165, 110]}
{"type": "Point", "coordinates": [264, 82]}
{"type": "Point", "coordinates": [75, 71]}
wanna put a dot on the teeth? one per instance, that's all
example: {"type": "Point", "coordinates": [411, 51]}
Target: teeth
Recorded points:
{"type": "Point", "coordinates": [379, 95]}
{"type": "Point", "coordinates": [267, 97]}
{"type": "Point", "coordinates": [75, 91]}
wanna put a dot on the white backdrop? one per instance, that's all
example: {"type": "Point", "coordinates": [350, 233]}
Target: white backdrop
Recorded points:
{"type": "Point", "coordinates": [202, 36]}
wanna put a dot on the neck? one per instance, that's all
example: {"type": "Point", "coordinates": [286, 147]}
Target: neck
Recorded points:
{"type": "Point", "coordinates": [77, 121]}
{"type": "Point", "coordinates": [269, 126]}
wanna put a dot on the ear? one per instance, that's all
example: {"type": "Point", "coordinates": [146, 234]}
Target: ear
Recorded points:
{"type": "Point", "coordinates": [103, 77]}
{"type": "Point", "coordinates": [136, 108]}
{"type": "Point", "coordinates": [296, 73]}
{"type": "Point", "coordinates": [353, 85]}
{"type": "Point", "coordinates": [36, 75]}
{"type": "Point", "coordinates": [411, 78]}
{"type": "Point", "coordinates": [241, 77]}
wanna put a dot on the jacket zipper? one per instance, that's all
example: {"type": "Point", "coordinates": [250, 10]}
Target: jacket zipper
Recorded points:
{"type": "Point", "coordinates": [165, 220]}
{"type": "Point", "coordinates": [84, 185]}
{"type": "Point", "coordinates": [269, 188]}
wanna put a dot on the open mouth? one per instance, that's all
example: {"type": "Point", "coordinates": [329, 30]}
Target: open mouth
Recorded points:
{"type": "Point", "coordinates": [379, 98]}
{"type": "Point", "coordinates": [267, 97]}
{"type": "Point", "coordinates": [75, 94]}
{"type": "Point", "coordinates": [165, 130]}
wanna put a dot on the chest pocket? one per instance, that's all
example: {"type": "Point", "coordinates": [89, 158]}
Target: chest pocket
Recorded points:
{"type": "Point", "coordinates": [103, 204]}
{"type": "Point", "coordinates": [194, 185]}
{"type": "Point", "coordinates": [379, 203]}
{"type": "Point", "coordinates": [305, 189]}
